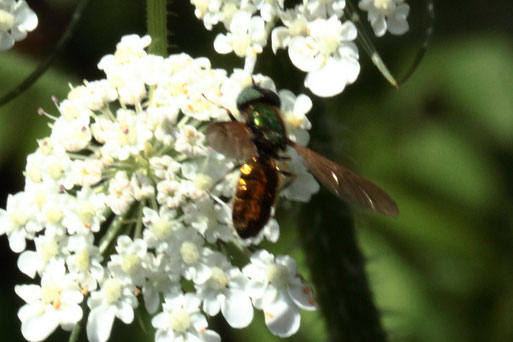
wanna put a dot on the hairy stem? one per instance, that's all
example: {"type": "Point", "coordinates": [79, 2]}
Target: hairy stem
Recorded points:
{"type": "Point", "coordinates": [156, 12]}
{"type": "Point", "coordinates": [327, 233]}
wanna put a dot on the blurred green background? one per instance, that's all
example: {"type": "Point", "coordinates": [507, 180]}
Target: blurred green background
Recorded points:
{"type": "Point", "coordinates": [441, 145]}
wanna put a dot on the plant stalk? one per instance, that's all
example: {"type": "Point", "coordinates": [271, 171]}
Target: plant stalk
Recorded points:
{"type": "Point", "coordinates": [327, 233]}
{"type": "Point", "coordinates": [156, 25]}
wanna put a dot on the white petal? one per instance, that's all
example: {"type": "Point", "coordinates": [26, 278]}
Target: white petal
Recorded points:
{"type": "Point", "coordinates": [203, 272]}
{"type": "Point", "coordinates": [279, 38]}
{"type": "Point", "coordinates": [29, 293]}
{"type": "Point", "coordinates": [72, 296]}
{"type": "Point", "coordinates": [302, 295]}
{"type": "Point", "coordinates": [18, 34]}
{"type": "Point", "coordinates": [29, 262]}
{"type": "Point", "coordinates": [348, 32]}
{"type": "Point", "coordinates": [240, 22]}
{"type": "Point", "coordinates": [191, 302]}
{"type": "Point", "coordinates": [302, 52]}
{"type": "Point", "coordinates": [205, 336]}
{"type": "Point", "coordinates": [99, 324]}
{"type": "Point", "coordinates": [333, 77]}
{"type": "Point", "coordinates": [398, 24]}
{"type": "Point", "coordinates": [190, 336]}
{"type": "Point", "coordinates": [256, 29]}
{"type": "Point", "coordinates": [272, 230]}
{"type": "Point", "coordinates": [30, 310]}
{"type": "Point", "coordinates": [151, 299]}
{"type": "Point", "coordinates": [397, 27]}
{"type": "Point", "coordinates": [282, 317]}
{"type": "Point", "coordinates": [17, 240]}
{"type": "Point", "coordinates": [379, 25]}
{"type": "Point", "coordinates": [222, 44]}
{"type": "Point", "coordinates": [262, 258]}
{"type": "Point", "coordinates": [164, 336]}
{"type": "Point", "coordinates": [70, 315]}
{"type": "Point", "coordinates": [211, 306]}
{"type": "Point", "coordinates": [210, 336]}
{"type": "Point", "coordinates": [160, 320]}
{"type": "Point", "coordinates": [255, 289]}
{"type": "Point", "coordinates": [27, 17]}
{"type": "Point", "coordinates": [198, 321]}
{"type": "Point", "coordinates": [271, 295]}
{"type": "Point", "coordinates": [6, 41]}
{"type": "Point", "coordinates": [302, 105]}
{"type": "Point", "coordinates": [125, 313]}
{"type": "Point", "coordinates": [38, 328]}
{"type": "Point", "coordinates": [237, 309]}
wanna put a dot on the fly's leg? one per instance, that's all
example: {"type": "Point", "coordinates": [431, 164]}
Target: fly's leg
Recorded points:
{"type": "Point", "coordinates": [238, 166]}
{"type": "Point", "coordinates": [289, 179]}
{"type": "Point", "coordinates": [230, 115]}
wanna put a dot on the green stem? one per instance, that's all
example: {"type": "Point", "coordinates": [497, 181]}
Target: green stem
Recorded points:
{"type": "Point", "coordinates": [111, 233]}
{"type": "Point", "coordinates": [77, 329]}
{"type": "Point", "coordinates": [157, 26]}
{"type": "Point", "coordinates": [75, 333]}
{"type": "Point", "coordinates": [139, 223]}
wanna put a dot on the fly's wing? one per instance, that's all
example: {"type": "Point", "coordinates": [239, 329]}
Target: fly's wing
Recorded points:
{"type": "Point", "coordinates": [233, 139]}
{"type": "Point", "coordinates": [346, 184]}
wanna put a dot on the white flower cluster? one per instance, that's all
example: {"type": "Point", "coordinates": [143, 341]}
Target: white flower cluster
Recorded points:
{"type": "Point", "coordinates": [386, 15]}
{"type": "Point", "coordinates": [319, 41]}
{"type": "Point", "coordinates": [16, 19]}
{"type": "Point", "coordinates": [124, 201]}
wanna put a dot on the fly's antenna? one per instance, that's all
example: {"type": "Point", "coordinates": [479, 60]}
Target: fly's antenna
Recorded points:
{"type": "Point", "coordinates": [230, 115]}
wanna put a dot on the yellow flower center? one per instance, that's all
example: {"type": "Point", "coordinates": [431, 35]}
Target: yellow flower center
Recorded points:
{"type": "Point", "coordinates": [51, 294]}
{"type": "Point", "coordinates": [49, 249]}
{"type": "Point", "coordinates": [277, 275]}
{"type": "Point", "coordinates": [82, 260]}
{"type": "Point", "coordinates": [130, 263]}
{"type": "Point", "coordinates": [162, 228]}
{"type": "Point", "coordinates": [112, 290]}
{"type": "Point", "coordinates": [386, 7]}
{"type": "Point", "coordinates": [53, 214]}
{"type": "Point", "coordinates": [189, 253]}
{"type": "Point", "coordinates": [218, 278]}
{"type": "Point", "coordinates": [6, 20]}
{"type": "Point", "coordinates": [180, 320]}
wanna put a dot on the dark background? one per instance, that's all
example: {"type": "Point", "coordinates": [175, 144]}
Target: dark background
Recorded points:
{"type": "Point", "coordinates": [441, 145]}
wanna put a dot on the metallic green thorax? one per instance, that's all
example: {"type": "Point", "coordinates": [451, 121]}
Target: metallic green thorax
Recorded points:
{"type": "Point", "coordinates": [265, 120]}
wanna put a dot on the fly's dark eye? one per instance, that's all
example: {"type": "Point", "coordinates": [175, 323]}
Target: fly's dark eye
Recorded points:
{"type": "Point", "coordinates": [253, 94]}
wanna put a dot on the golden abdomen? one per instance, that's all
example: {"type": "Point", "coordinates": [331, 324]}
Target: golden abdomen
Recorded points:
{"type": "Point", "coordinates": [255, 196]}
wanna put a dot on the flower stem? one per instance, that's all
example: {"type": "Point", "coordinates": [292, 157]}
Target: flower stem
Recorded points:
{"type": "Point", "coordinates": [157, 26]}
{"type": "Point", "coordinates": [139, 223]}
{"type": "Point", "coordinates": [111, 233]}
{"type": "Point", "coordinates": [327, 233]}
{"type": "Point", "coordinates": [75, 333]}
